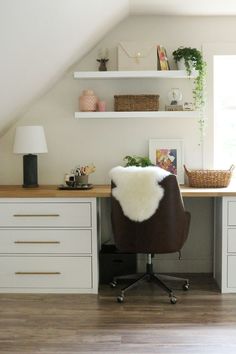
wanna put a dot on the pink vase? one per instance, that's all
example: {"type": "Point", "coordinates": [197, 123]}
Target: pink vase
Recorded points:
{"type": "Point", "coordinates": [101, 106]}
{"type": "Point", "coordinates": [88, 101]}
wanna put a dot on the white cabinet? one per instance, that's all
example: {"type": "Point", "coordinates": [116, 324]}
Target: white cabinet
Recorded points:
{"type": "Point", "coordinates": [46, 241]}
{"type": "Point", "coordinates": [231, 244]}
{"type": "Point", "coordinates": [115, 75]}
{"type": "Point", "coordinates": [48, 245]}
{"type": "Point", "coordinates": [46, 274]}
{"type": "Point", "coordinates": [59, 214]}
{"type": "Point", "coordinates": [225, 244]}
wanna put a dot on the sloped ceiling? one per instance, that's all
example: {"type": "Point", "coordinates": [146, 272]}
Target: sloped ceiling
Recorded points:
{"type": "Point", "coordinates": [41, 39]}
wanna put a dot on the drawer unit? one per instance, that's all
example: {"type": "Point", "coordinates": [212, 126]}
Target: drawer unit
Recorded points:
{"type": "Point", "coordinates": [231, 213]}
{"type": "Point", "coordinates": [46, 214]}
{"type": "Point", "coordinates": [231, 272]}
{"type": "Point", "coordinates": [46, 272]}
{"type": "Point", "coordinates": [48, 245]}
{"type": "Point", "coordinates": [231, 244]}
{"type": "Point", "coordinates": [46, 241]}
{"type": "Point", "coordinates": [225, 244]}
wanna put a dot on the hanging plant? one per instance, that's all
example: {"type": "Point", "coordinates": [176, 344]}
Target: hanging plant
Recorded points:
{"type": "Point", "coordinates": [193, 60]}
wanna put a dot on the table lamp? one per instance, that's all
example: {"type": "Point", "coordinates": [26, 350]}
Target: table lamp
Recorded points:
{"type": "Point", "coordinates": [30, 140]}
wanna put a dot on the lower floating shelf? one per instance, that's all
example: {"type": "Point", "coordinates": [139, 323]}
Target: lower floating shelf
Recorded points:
{"type": "Point", "coordinates": [146, 114]}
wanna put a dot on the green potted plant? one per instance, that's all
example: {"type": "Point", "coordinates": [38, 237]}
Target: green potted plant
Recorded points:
{"type": "Point", "coordinates": [193, 60]}
{"type": "Point", "coordinates": [137, 161]}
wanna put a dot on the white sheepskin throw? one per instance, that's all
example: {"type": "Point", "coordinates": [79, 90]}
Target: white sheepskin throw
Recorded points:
{"type": "Point", "coordinates": [137, 190]}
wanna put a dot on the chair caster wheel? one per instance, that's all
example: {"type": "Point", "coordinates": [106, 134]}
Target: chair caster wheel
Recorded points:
{"type": "Point", "coordinates": [120, 299]}
{"type": "Point", "coordinates": [173, 300]}
{"type": "Point", "coordinates": [113, 284]}
{"type": "Point", "coordinates": [186, 286]}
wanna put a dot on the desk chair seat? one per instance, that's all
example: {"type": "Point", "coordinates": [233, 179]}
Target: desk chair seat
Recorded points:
{"type": "Point", "coordinates": [164, 232]}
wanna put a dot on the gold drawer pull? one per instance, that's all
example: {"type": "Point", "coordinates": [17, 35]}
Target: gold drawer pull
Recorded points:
{"type": "Point", "coordinates": [37, 242]}
{"type": "Point", "coordinates": [34, 215]}
{"type": "Point", "coordinates": [37, 273]}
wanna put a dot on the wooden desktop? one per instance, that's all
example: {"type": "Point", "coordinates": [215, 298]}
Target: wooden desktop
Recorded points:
{"type": "Point", "coordinates": [101, 191]}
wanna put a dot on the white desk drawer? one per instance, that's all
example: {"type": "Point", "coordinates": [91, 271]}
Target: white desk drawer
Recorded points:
{"type": "Point", "coordinates": [231, 272]}
{"type": "Point", "coordinates": [231, 244]}
{"type": "Point", "coordinates": [45, 241]}
{"type": "Point", "coordinates": [231, 213]}
{"type": "Point", "coordinates": [45, 272]}
{"type": "Point", "coordinates": [26, 214]}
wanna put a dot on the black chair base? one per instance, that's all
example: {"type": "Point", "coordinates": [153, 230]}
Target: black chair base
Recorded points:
{"type": "Point", "coordinates": [149, 276]}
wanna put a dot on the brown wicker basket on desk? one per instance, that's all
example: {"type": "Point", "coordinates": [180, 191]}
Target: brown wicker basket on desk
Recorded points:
{"type": "Point", "coordinates": [209, 178]}
{"type": "Point", "coordinates": [129, 103]}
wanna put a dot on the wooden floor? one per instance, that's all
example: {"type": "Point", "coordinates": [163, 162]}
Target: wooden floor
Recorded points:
{"type": "Point", "coordinates": [203, 321]}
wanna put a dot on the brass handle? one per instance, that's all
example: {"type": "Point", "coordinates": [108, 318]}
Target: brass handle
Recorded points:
{"type": "Point", "coordinates": [37, 273]}
{"type": "Point", "coordinates": [35, 215]}
{"type": "Point", "coordinates": [37, 242]}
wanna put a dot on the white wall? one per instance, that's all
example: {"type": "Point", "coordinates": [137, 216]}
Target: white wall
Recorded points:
{"type": "Point", "coordinates": [106, 142]}
{"type": "Point", "coordinates": [40, 39]}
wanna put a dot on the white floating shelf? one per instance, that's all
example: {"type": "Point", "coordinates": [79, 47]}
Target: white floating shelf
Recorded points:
{"type": "Point", "coordinates": [165, 74]}
{"type": "Point", "coordinates": [153, 114]}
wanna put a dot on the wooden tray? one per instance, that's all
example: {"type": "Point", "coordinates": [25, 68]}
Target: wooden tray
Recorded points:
{"type": "Point", "coordinates": [77, 187]}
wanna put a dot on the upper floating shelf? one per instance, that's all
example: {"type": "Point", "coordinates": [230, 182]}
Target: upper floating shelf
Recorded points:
{"type": "Point", "coordinates": [165, 74]}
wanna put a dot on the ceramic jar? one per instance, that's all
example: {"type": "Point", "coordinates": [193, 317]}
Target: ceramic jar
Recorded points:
{"type": "Point", "coordinates": [101, 106]}
{"type": "Point", "coordinates": [81, 179]}
{"type": "Point", "coordinates": [88, 101]}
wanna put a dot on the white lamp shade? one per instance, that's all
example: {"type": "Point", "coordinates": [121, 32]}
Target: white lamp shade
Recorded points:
{"type": "Point", "coordinates": [30, 140]}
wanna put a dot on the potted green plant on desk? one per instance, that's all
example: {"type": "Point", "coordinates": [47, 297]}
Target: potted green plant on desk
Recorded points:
{"type": "Point", "coordinates": [139, 161]}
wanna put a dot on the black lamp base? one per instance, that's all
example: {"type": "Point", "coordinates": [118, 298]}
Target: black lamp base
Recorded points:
{"type": "Point", "coordinates": [30, 171]}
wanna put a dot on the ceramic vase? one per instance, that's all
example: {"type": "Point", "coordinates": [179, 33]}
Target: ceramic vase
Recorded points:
{"type": "Point", "coordinates": [81, 179]}
{"type": "Point", "coordinates": [88, 101]}
{"type": "Point", "coordinates": [101, 106]}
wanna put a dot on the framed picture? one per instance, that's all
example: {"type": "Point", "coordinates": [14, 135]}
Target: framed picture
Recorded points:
{"type": "Point", "coordinates": [168, 154]}
{"type": "Point", "coordinates": [162, 58]}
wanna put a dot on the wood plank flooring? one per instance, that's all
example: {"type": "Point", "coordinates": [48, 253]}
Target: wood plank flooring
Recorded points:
{"type": "Point", "coordinates": [203, 321]}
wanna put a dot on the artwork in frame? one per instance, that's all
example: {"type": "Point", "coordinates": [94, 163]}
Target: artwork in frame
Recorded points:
{"type": "Point", "coordinates": [168, 154]}
{"type": "Point", "coordinates": [163, 63]}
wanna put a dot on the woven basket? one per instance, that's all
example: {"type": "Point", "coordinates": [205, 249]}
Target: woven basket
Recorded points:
{"type": "Point", "coordinates": [209, 178]}
{"type": "Point", "coordinates": [126, 103]}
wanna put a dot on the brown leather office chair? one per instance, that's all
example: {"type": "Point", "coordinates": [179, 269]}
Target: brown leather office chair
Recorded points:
{"type": "Point", "coordinates": [164, 232]}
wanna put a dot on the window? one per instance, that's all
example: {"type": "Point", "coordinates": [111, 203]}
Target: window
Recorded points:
{"type": "Point", "coordinates": [224, 78]}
